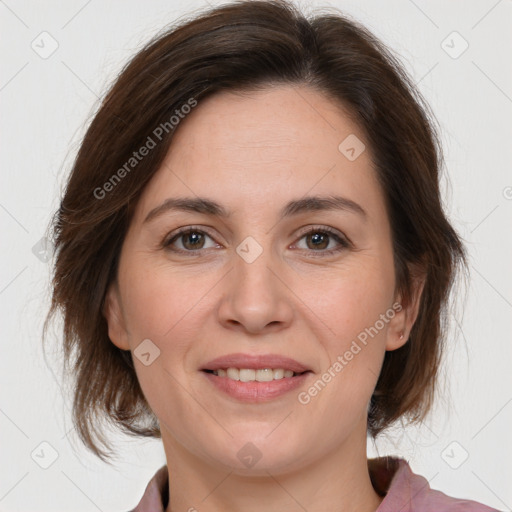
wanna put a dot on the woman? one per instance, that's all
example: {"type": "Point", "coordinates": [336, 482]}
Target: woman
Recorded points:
{"type": "Point", "coordinates": [253, 263]}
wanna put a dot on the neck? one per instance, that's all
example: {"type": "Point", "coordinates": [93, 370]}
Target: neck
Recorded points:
{"type": "Point", "coordinates": [338, 481]}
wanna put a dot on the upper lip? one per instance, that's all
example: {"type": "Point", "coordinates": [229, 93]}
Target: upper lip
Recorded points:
{"type": "Point", "coordinates": [255, 362]}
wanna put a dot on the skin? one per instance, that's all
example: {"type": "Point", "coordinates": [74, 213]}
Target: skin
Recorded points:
{"type": "Point", "coordinates": [253, 153]}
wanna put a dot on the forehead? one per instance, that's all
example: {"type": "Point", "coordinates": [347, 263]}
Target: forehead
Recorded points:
{"type": "Point", "coordinates": [260, 126]}
{"type": "Point", "coordinates": [253, 149]}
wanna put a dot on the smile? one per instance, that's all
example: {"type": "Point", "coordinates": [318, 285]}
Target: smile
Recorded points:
{"type": "Point", "coordinates": [244, 384]}
{"type": "Point", "coordinates": [250, 374]}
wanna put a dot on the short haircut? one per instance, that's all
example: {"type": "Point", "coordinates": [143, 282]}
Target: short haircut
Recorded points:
{"type": "Point", "coordinates": [244, 46]}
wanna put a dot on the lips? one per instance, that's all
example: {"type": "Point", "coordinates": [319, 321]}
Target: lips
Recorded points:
{"type": "Point", "coordinates": [255, 362]}
{"type": "Point", "coordinates": [240, 376]}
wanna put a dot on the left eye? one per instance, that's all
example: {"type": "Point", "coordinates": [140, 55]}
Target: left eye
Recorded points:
{"type": "Point", "coordinates": [321, 239]}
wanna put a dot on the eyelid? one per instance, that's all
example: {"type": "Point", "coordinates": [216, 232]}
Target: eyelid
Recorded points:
{"type": "Point", "coordinates": [321, 228]}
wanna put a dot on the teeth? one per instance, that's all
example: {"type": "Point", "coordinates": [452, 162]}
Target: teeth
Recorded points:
{"type": "Point", "coordinates": [232, 373]}
{"type": "Point", "coordinates": [250, 375]}
{"type": "Point", "coordinates": [278, 373]}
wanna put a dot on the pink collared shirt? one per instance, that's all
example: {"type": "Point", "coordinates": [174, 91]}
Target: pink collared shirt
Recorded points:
{"type": "Point", "coordinates": [392, 477]}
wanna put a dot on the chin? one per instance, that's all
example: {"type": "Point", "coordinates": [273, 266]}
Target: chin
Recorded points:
{"type": "Point", "coordinates": [260, 453]}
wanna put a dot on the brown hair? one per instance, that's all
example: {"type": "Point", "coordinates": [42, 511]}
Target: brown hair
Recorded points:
{"type": "Point", "coordinates": [245, 45]}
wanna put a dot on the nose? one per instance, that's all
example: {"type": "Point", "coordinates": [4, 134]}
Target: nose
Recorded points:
{"type": "Point", "coordinates": [256, 298]}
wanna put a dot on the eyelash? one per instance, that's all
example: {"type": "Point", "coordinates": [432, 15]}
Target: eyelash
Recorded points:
{"type": "Point", "coordinates": [343, 242]}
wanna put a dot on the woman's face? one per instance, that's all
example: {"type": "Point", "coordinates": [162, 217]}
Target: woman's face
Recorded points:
{"type": "Point", "coordinates": [300, 267]}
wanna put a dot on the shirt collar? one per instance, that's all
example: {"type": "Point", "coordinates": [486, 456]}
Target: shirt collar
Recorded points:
{"type": "Point", "coordinates": [391, 477]}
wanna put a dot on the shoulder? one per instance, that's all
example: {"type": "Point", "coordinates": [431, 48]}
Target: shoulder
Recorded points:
{"type": "Point", "coordinates": [409, 492]}
{"type": "Point", "coordinates": [156, 495]}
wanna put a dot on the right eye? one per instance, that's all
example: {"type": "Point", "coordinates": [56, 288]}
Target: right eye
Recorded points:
{"type": "Point", "coordinates": [188, 240]}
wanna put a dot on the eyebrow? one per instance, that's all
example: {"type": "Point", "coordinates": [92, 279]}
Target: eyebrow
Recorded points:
{"type": "Point", "coordinates": [209, 207]}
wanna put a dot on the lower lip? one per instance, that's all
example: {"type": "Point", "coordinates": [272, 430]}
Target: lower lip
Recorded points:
{"type": "Point", "coordinates": [255, 391]}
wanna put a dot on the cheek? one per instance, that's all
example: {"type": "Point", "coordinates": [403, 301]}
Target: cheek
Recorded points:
{"type": "Point", "coordinates": [348, 310]}
{"type": "Point", "coordinates": [159, 301]}
{"type": "Point", "coordinates": [349, 300]}
{"type": "Point", "coordinates": [353, 353]}
{"type": "Point", "coordinates": [160, 304]}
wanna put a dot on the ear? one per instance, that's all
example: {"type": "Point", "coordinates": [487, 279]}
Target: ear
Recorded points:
{"type": "Point", "coordinates": [405, 315]}
{"type": "Point", "coordinates": [113, 313]}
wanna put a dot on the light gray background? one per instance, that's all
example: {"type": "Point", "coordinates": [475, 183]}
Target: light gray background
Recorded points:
{"type": "Point", "coordinates": [46, 104]}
